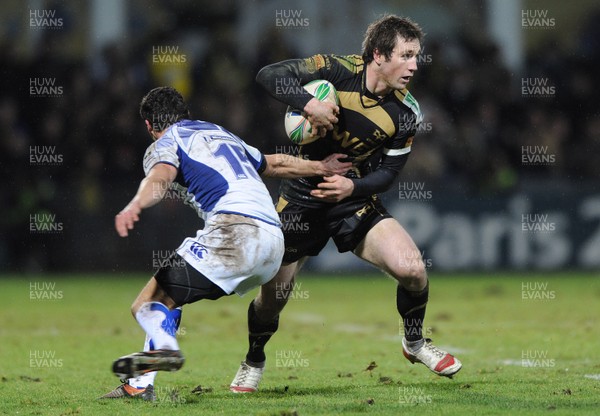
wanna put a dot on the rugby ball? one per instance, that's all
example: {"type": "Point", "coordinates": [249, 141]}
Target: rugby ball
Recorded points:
{"type": "Point", "coordinates": [297, 126]}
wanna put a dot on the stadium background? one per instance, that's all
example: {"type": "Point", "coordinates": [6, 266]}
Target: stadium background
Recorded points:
{"type": "Point", "coordinates": [503, 174]}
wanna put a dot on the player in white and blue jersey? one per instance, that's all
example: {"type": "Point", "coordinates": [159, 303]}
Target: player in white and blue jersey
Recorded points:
{"type": "Point", "coordinates": [239, 248]}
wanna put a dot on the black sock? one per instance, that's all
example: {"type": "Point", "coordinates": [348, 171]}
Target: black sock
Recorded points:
{"type": "Point", "coordinates": [259, 334]}
{"type": "Point", "coordinates": [411, 306]}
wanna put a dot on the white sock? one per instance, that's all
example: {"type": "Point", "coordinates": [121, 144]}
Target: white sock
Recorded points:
{"type": "Point", "coordinates": [151, 316]}
{"type": "Point", "coordinates": [144, 380]}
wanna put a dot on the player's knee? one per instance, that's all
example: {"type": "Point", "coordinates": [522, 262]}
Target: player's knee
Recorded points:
{"type": "Point", "coordinates": [135, 306]}
{"type": "Point", "coordinates": [271, 300]}
{"type": "Point", "coordinates": [412, 275]}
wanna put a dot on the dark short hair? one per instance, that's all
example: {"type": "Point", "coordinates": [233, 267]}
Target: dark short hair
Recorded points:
{"type": "Point", "coordinates": [163, 106]}
{"type": "Point", "coordinates": [383, 33]}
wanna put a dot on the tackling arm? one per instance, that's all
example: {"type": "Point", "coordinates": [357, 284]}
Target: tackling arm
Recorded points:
{"type": "Point", "coordinates": [151, 191]}
{"type": "Point", "coordinates": [395, 156]}
{"type": "Point", "coordinates": [287, 166]}
{"type": "Point", "coordinates": [336, 188]}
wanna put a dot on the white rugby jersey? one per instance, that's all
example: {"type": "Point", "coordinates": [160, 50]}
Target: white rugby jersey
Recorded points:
{"type": "Point", "coordinates": [217, 169]}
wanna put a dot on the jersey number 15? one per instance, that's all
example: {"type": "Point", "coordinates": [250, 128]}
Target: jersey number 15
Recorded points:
{"type": "Point", "coordinates": [237, 160]}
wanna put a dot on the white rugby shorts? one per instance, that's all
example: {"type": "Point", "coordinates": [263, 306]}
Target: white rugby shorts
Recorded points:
{"type": "Point", "coordinates": [236, 253]}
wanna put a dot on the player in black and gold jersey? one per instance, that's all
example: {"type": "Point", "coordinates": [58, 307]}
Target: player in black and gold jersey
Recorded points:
{"type": "Point", "coordinates": [374, 125]}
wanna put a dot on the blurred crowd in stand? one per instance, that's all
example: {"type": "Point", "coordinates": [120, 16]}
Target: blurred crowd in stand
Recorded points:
{"type": "Point", "coordinates": [477, 118]}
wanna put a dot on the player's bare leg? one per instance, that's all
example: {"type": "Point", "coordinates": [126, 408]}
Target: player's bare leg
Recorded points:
{"type": "Point", "coordinates": [263, 321]}
{"type": "Point", "coordinates": [273, 295]}
{"type": "Point", "coordinates": [152, 292]}
{"type": "Point", "coordinates": [389, 247]}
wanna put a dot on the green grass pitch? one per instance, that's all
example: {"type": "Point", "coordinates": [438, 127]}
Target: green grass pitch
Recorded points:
{"type": "Point", "coordinates": [529, 344]}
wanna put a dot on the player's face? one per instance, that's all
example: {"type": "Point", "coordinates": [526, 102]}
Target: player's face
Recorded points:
{"type": "Point", "coordinates": [397, 71]}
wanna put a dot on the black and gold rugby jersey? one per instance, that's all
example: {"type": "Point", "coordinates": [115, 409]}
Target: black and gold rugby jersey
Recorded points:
{"type": "Point", "coordinates": [375, 132]}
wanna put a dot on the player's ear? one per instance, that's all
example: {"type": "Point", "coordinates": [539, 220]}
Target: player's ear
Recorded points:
{"type": "Point", "coordinates": [377, 56]}
{"type": "Point", "coordinates": [148, 126]}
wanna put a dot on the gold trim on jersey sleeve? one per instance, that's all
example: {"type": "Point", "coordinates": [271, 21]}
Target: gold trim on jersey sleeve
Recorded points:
{"type": "Point", "coordinates": [316, 62]}
{"type": "Point", "coordinates": [353, 63]}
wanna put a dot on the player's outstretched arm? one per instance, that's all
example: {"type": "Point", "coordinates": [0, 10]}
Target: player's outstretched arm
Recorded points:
{"type": "Point", "coordinates": [287, 166]}
{"type": "Point", "coordinates": [151, 191]}
{"type": "Point", "coordinates": [336, 188]}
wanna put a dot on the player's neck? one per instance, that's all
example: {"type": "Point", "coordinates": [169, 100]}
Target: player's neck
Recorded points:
{"type": "Point", "coordinates": [373, 83]}
{"type": "Point", "coordinates": [157, 135]}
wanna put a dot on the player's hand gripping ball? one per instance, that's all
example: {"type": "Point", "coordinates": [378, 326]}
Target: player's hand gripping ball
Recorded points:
{"type": "Point", "coordinates": [297, 126]}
